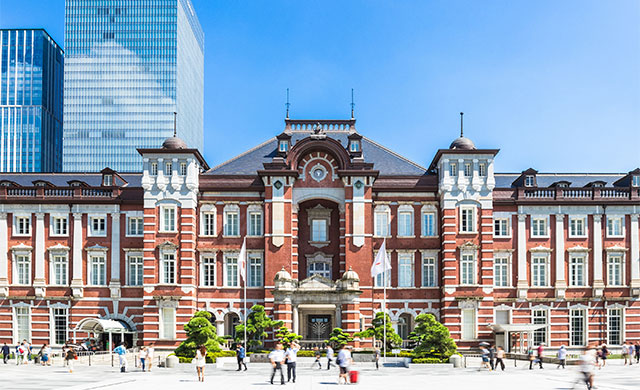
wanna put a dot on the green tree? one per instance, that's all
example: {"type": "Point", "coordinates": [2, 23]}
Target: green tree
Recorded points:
{"type": "Point", "coordinates": [257, 324]}
{"type": "Point", "coordinates": [285, 336]}
{"type": "Point", "coordinates": [431, 337]}
{"type": "Point", "coordinates": [338, 338]}
{"type": "Point", "coordinates": [199, 331]}
{"type": "Point", "coordinates": [377, 331]}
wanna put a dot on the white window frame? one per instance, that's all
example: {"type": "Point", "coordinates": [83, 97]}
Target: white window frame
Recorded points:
{"type": "Point", "coordinates": [208, 210]}
{"type": "Point", "coordinates": [529, 181]}
{"type": "Point", "coordinates": [502, 261]}
{"type": "Point", "coordinates": [432, 211]}
{"type": "Point", "coordinates": [635, 181]}
{"type": "Point", "coordinates": [319, 230]}
{"type": "Point", "coordinates": [408, 212]}
{"type": "Point", "coordinates": [464, 256]}
{"type": "Point", "coordinates": [254, 258]}
{"type": "Point", "coordinates": [621, 314]}
{"type": "Point", "coordinates": [585, 327]}
{"type": "Point", "coordinates": [53, 255]}
{"type": "Point", "coordinates": [474, 221]}
{"type": "Point", "coordinates": [535, 233]}
{"type": "Point", "coordinates": [53, 225]}
{"type": "Point", "coordinates": [91, 256]}
{"type": "Point", "coordinates": [505, 223]}
{"type": "Point", "coordinates": [153, 169]}
{"type": "Point", "coordinates": [621, 256]}
{"type": "Point", "coordinates": [574, 223]}
{"type": "Point", "coordinates": [482, 169]}
{"type": "Point", "coordinates": [255, 210]}
{"type": "Point", "coordinates": [231, 209]}
{"type": "Point", "coordinates": [163, 333]}
{"type": "Point", "coordinates": [139, 222]}
{"type": "Point", "coordinates": [585, 273]}
{"type": "Point", "coordinates": [183, 169]}
{"type": "Point", "coordinates": [19, 232]}
{"type": "Point", "coordinates": [16, 275]}
{"type": "Point", "coordinates": [404, 256]}
{"type": "Point", "coordinates": [139, 262]}
{"type": "Point", "coordinates": [283, 146]}
{"type": "Point", "coordinates": [228, 257]}
{"type": "Point", "coordinates": [468, 169]}
{"type": "Point", "coordinates": [610, 232]}
{"type": "Point", "coordinates": [17, 339]}
{"type": "Point", "coordinates": [53, 327]}
{"type": "Point", "coordinates": [164, 259]}
{"type": "Point", "coordinates": [208, 260]}
{"type": "Point", "coordinates": [380, 230]}
{"type": "Point", "coordinates": [168, 168]}
{"type": "Point", "coordinates": [429, 260]}
{"type": "Point", "coordinates": [95, 232]}
{"type": "Point", "coordinates": [473, 313]}
{"type": "Point", "coordinates": [545, 261]}
{"type": "Point", "coordinates": [163, 222]}
{"type": "Point", "coordinates": [545, 316]}
{"type": "Point", "coordinates": [453, 169]}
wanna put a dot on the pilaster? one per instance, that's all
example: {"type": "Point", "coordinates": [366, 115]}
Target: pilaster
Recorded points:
{"type": "Point", "coordinates": [522, 285]}
{"type": "Point", "coordinates": [4, 259]}
{"type": "Point", "coordinates": [39, 281]}
{"type": "Point", "coordinates": [561, 281]}
{"type": "Point", "coordinates": [76, 281]}
{"type": "Point", "coordinates": [114, 284]}
{"type": "Point", "coordinates": [598, 282]}
{"type": "Point", "coordinates": [635, 255]}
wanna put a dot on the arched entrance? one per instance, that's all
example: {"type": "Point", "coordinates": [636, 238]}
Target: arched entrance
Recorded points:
{"type": "Point", "coordinates": [231, 320]}
{"type": "Point", "coordinates": [405, 325]}
{"type": "Point", "coordinates": [106, 333]}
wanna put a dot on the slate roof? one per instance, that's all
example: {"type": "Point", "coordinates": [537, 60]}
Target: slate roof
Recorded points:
{"type": "Point", "coordinates": [386, 161]}
{"type": "Point", "coordinates": [504, 180]}
{"type": "Point", "coordinates": [62, 179]}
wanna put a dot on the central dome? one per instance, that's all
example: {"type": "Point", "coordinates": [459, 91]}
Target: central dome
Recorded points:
{"type": "Point", "coordinates": [174, 143]}
{"type": "Point", "coordinates": [462, 143]}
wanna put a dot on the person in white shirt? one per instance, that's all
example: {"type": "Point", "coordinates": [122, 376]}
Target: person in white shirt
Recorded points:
{"type": "Point", "coordinates": [329, 357]}
{"type": "Point", "coordinates": [344, 361]}
{"type": "Point", "coordinates": [291, 355]}
{"type": "Point", "coordinates": [200, 361]}
{"type": "Point", "coordinates": [276, 357]}
{"type": "Point", "coordinates": [149, 357]}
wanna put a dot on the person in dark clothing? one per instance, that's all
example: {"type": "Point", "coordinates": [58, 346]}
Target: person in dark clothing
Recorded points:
{"type": "Point", "coordinates": [241, 354]}
{"type": "Point", "coordinates": [5, 353]}
{"type": "Point", "coordinates": [637, 352]}
{"type": "Point", "coordinates": [492, 357]}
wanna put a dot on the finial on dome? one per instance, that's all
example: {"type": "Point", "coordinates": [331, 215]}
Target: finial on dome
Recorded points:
{"type": "Point", "coordinates": [175, 125]}
{"type": "Point", "coordinates": [461, 129]}
{"type": "Point", "coordinates": [287, 103]}
{"type": "Point", "coordinates": [462, 143]}
{"type": "Point", "coordinates": [353, 105]}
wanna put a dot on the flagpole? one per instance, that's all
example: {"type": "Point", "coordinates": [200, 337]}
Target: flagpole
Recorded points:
{"type": "Point", "coordinates": [384, 314]}
{"type": "Point", "coordinates": [246, 317]}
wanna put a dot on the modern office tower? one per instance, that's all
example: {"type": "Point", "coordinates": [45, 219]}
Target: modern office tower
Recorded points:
{"type": "Point", "coordinates": [129, 66]}
{"type": "Point", "coordinates": [31, 76]}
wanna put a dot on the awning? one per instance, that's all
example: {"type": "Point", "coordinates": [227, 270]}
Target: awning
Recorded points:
{"type": "Point", "coordinates": [96, 325]}
{"type": "Point", "coordinates": [524, 328]}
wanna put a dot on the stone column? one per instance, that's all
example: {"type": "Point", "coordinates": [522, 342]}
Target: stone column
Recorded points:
{"type": "Point", "coordinates": [114, 283]}
{"type": "Point", "coordinates": [220, 328]}
{"type": "Point", "coordinates": [39, 281]}
{"type": "Point", "coordinates": [598, 282]}
{"type": "Point", "coordinates": [561, 280]}
{"type": "Point", "coordinates": [4, 259]}
{"type": "Point", "coordinates": [296, 320]}
{"type": "Point", "coordinates": [522, 285]}
{"type": "Point", "coordinates": [76, 281]}
{"type": "Point", "coordinates": [338, 316]}
{"type": "Point", "coordinates": [635, 255]}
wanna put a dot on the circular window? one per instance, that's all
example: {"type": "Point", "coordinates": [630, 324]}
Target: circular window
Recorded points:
{"type": "Point", "coordinates": [318, 173]}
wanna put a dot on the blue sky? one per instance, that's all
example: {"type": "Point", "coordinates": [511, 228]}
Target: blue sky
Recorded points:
{"type": "Point", "coordinates": [554, 84]}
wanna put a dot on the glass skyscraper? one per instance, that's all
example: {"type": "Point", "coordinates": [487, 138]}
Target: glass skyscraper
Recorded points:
{"type": "Point", "coordinates": [129, 65]}
{"type": "Point", "coordinates": [31, 76]}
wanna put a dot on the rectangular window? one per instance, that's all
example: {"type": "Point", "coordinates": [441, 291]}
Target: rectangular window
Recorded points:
{"type": "Point", "coordinates": [467, 269]}
{"type": "Point", "coordinates": [482, 169]}
{"type": "Point", "coordinates": [468, 324]}
{"type": "Point", "coordinates": [231, 224]}
{"type": "Point", "coordinates": [501, 272]}
{"type": "Point", "coordinates": [169, 268]}
{"type": "Point", "coordinates": [22, 226]}
{"type": "Point", "coordinates": [539, 227]}
{"type": "Point", "coordinates": [168, 323]}
{"type": "Point", "coordinates": [255, 271]}
{"type": "Point", "coordinates": [23, 324]}
{"type": "Point", "coordinates": [614, 270]}
{"type": "Point", "coordinates": [382, 224]}
{"type": "Point", "coordinates": [577, 227]}
{"type": "Point", "coordinates": [255, 223]}
{"type": "Point", "coordinates": [428, 224]}
{"type": "Point", "coordinates": [136, 271]}
{"type": "Point", "coordinates": [231, 270]}
{"type": "Point", "coordinates": [168, 169]}
{"type": "Point", "coordinates": [209, 223]}
{"type": "Point", "coordinates": [453, 169]}
{"type": "Point", "coordinates": [405, 224]}
{"type": "Point", "coordinates": [577, 324]}
{"type": "Point", "coordinates": [529, 181]}
{"type": "Point", "coordinates": [467, 220]}
{"type": "Point", "coordinates": [108, 180]}
{"type": "Point", "coordinates": [501, 227]}
{"type": "Point", "coordinates": [614, 226]}
{"type": "Point", "coordinates": [577, 271]}
{"type": "Point", "coordinates": [540, 335]}
{"type": "Point", "coordinates": [209, 271]}
{"type": "Point", "coordinates": [60, 272]}
{"type": "Point", "coordinates": [98, 226]}
{"type": "Point", "coordinates": [283, 146]}
{"type": "Point", "coordinates": [319, 230]}
{"type": "Point", "coordinates": [539, 271]}
{"type": "Point", "coordinates": [135, 226]}
{"type": "Point", "coordinates": [405, 270]}
{"type": "Point", "coordinates": [635, 181]}
{"type": "Point", "coordinates": [60, 326]}
{"type": "Point", "coordinates": [429, 272]}
{"type": "Point", "coordinates": [168, 219]}
{"type": "Point", "coordinates": [502, 317]}
{"type": "Point", "coordinates": [154, 169]}
{"type": "Point", "coordinates": [468, 171]}
{"type": "Point", "coordinates": [183, 169]}
{"type": "Point", "coordinates": [23, 269]}
{"type": "Point", "coordinates": [60, 226]}
{"type": "Point", "coordinates": [98, 270]}
{"type": "Point", "coordinates": [614, 326]}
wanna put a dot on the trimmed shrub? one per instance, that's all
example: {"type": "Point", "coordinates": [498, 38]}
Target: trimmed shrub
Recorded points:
{"type": "Point", "coordinates": [428, 360]}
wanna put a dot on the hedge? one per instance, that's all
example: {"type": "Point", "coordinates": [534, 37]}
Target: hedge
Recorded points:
{"type": "Point", "coordinates": [428, 361]}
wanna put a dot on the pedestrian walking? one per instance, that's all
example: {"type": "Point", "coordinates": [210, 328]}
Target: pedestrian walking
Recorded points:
{"type": "Point", "coordinates": [587, 367]}
{"type": "Point", "coordinates": [200, 360]}
{"type": "Point", "coordinates": [276, 357]}
{"type": "Point", "coordinates": [344, 362]}
{"type": "Point", "coordinates": [45, 353]}
{"type": "Point", "coordinates": [27, 354]}
{"type": "Point", "coordinates": [632, 350]}
{"type": "Point", "coordinates": [485, 358]}
{"type": "Point", "coordinates": [121, 350]}
{"type": "Point", "coordinates": [562, 357]}
{"type": "Point", "coordinates": [540, 351]}
{"type": "Point", "coordinates": [241, 354]}
{"type": "Point", "coordinates": [376, 357]}
{"type": "Point", "coordinates": [291, 356]}
{"type": "Point", "coordinates": [604, 354]}
{"type": "Point", "coordinates": [637, 348]}
{"type": "Point", "coordinates": [625, 353]}
{"type": "Point", "coordinates": [150, 351]}
{"type": "Point", "coordinates": [492, 357]}
{"type": "Point", "coordinates": [317, 354]}
{"type": "Point", "coordinates": [70, 357]}
{"type": "Point", "coordinates": [500, 355]}
{"type": "Point", "coordinates": [143, 357]}
{"type": "Point", "coordinates": [531, 357]}
{"type": "Point", "coordinates": [63, 354]}
{"type": "Point", "coordinates": [20, 352]}
{"type": "Point", "coordinates": [5, 353]}
{"type": "Point", "coordinates": [329, 356]}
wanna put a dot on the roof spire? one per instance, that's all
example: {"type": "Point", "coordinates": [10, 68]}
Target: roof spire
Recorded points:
{"type": "Point", "coordinates": [287, 104]}
{"type": "Point", "coordinates": [175, 119]}
{"type": "Point", "coordinates": [461, 128]}
{"type": "Point", "coordinates": [352, 104]}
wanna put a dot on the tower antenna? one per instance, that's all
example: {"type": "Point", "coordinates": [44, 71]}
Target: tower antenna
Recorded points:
{"type": "Point", "coordinates": [352, 104]}
{"type": "Point", "coordinates": [461, 128]}
{"type": "Point", "coordinates": [175, 127]}
{"type": "Point", "coordinates": [287, 104]}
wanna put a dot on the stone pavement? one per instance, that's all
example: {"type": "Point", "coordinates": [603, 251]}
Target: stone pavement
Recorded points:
{"type": "Point", "coordinates": [614, 377]}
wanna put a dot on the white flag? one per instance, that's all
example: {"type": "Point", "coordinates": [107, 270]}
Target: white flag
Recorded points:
{"type": "Point", "coordinates": [242, 260]}
{"type": "Point", "coordinates": [381, 262]}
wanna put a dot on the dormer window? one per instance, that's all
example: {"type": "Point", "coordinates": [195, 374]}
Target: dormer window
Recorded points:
{"type": "Point", "coordinates": [107, 180]}
{"type": "Point", "coordinates": [354, 146]}
{"type": "Point", "coordinates": [75, 184]}
{"type": "Point", "coordinates": [40, 184]}
{"type": "Point", "coordinates": [283, 146]}
{"type": "Point", "coordinates": [635, 181]}
{"type": "Point", "coordinates": [529, 181]}
{"type": "Point", "coordinates": [599, 185]}
{"type": "Point", "coordinates": [562, 185]}
{"type": "Point", "coordinates": [154, 169]}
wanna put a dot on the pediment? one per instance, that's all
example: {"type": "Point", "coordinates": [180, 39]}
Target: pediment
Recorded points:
{"type": "Point", "coordinates": [316, 282]}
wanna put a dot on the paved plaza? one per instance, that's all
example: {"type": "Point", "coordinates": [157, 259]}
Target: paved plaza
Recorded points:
{"type": "Point", "coordinates": [614, 376]}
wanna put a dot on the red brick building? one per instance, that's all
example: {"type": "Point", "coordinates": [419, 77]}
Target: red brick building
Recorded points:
{"type": "Point", "coordinates": [487, 253]}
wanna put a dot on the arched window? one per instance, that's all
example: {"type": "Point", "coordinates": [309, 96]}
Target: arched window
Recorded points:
{"type": "Point", "coordinates": [230, 322]}
{"type": "Point", "coordinates": [404, 325]}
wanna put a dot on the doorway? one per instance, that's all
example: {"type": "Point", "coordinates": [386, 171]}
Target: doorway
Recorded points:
{"type": "Point", "coordinates": [318, 326]}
